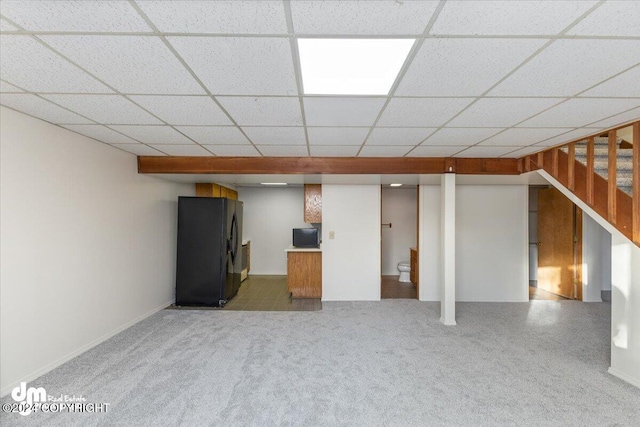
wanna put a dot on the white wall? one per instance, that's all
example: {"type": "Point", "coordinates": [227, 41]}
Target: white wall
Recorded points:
{"type": "Point", "coordinates": [492, 243]}
{"type": "Point", "coordinates": [270, 215]}
{"type": "Point", "coordinates": [351, 261]}
{"type": "Point", "coordinates": [399, 207]}
{"type": "Point", "coordinates": [596, 260]}
{"type": "Point", "coordinates": [87, 245]}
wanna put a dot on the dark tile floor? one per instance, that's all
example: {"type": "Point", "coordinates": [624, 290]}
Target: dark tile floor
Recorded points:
{"type": "Point", "coordinates": [391, 288]}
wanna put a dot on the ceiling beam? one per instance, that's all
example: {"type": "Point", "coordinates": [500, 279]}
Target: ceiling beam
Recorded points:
{"type": "Point", "coordinates": [325, 165]}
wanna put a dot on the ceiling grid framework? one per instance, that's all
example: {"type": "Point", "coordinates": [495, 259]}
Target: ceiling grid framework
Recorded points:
{"type": "Point", "coordinates": [483, 78]}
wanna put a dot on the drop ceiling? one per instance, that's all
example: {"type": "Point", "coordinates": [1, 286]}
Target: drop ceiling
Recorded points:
{"type": "Point", "coordinates": [205, 78]}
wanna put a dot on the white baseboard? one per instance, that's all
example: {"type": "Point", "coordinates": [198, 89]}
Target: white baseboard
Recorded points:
{"type": "Point", "coordinates": [51, 366]}
{"type": "Point", "coordinates": [625, 377]}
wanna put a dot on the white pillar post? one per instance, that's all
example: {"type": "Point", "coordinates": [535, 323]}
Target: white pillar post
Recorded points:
{"type": "Point", "coordinates": [448, 249]}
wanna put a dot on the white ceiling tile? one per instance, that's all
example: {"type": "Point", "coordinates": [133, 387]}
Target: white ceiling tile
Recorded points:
{"type": "Point", "coordinates": [342, 111]}
{"type": "Point", "coordinates": [228, 17]}
{"type": "Point", "coordinates": [384, 151]}
{"type": "Point", "coordinates": [102, 133]}
{"type": "Point", "coordinates": [153, 134]}
{"type": "Point", "coordinates": [478, 151]}
{"type": "Point", "coordinates": [30, 65]}
{"type": "Point", "coordinates": [626, 85]}
{"type": "Point", "coordinates": [5, 26]}
{"type": "Point", "coordinates": [182, 150]}
{"type": "Point", "coordinates": [38, 107]}
{"type": "Point", "coordinates": [618, 119]}
{"type": "Point", "coordinates": [523, 136]}
{"type": "Point", "coordinates": [263, 111]}
{"type": "Point", "coordinates": [460, 136]}
{"type": "Point", "coordinates": [567, 67]}
{"type": "Point", "coordinates": [247, 150]}
{"type": "Point", "coordinates": [105, 109]}
{"type": "Point", "coordinates": [463, 67]}
{"type": "Point", "coordinates": [423, 112]}
{"type": "Point", "coordinates": [508, 17]}
{"type": "Point", "coordinates": [81, 16]}
{"type": "Point", "coordinates": [613, 18]}
{"type": "Point", "coordinates": [502, 112]}
{"type": "Point", "coordinates": [436, 151]}
{"type": "Point", "coordinates": [283, 150]}
{"type": "Point", "coordinates": [579, 112]}
{"type": "Point", "coordinates": [398, 136]}
{"type": "Point", "coordinates": [226, 135]}
{"type": "Point", "coordinates": [276, 135]}
{"type": "Point", "coordinates": [139, 149]}
{"type": "Point", "coordinates": [240, 65]}
{"type": "Point", "coordinates": [334, 150]}
{"type": "Point", "coordinates": [525, 151]}
{"type": "Point", "coordinates": [374, 18]}
{"type": "Point", "coordinates": [184, 110]}
{"type": "Point", "coordinates": [337, 136]}
{"type": "Point", "coordinates": [6, 87]}
{"type": "Point", "coordinates": [565, 137]}
{"type": "Point", "coordinates": [131, 64]}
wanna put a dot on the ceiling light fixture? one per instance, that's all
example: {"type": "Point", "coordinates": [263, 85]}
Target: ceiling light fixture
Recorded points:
{"type": "Point", "coordinates": [351, 66]}
{"type": "Point", "coordinates": [395, 185]}
{"type": "Point", "coordinates": [273, 183]}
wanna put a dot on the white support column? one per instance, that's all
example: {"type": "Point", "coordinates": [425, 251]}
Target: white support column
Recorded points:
{"type": "Point", "coordinates": [448, 242]}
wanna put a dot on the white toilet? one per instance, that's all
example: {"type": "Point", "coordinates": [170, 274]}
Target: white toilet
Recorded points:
{"type": "Point", "coordinates": [404, 268]}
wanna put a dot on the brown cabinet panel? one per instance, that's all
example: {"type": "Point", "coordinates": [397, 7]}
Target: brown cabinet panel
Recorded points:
{"type": "Point", "coordinates": [413, 275]}
{"type": "Point", "coordinates": [304, 274]}
{"type": "Point", "coordinates": [313, 203]}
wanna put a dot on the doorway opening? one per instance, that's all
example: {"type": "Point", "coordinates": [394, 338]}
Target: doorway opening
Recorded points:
{"type": "Point", "coordinates": [399, 242]}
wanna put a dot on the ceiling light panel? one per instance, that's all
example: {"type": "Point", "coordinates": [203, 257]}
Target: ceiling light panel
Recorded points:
{"type": "Point", "coordinates": [29, 64]}
{"type": "Point", "coordinates": [105, 109]}
{"type": "Point", "coordinates": [463, 67]}
{"type": "Point", "coordinates": [421, 112]}
{"type": "Point", "coordinates": [276, 135]}
{"type": "Point", "coordinates": [233, 150]}
{"type": "Point", "coordinates": [102, 133]}
{"type": "Point", "coordinates": [508, 17]}
{"type": "Point", "coordinates": [240, 65]}
{"type": "Point", "coordinates": [501, 112]}
{"type": "Point", "coordinates": [283, 150]}
{"type": "Point", "coordinates": [334, 150]}
{"type": "Point", "coordinates": [567, 67]}
{"type": "Point", "coordinates": [79, 16]}
{"type": "Point", "coordinates": [227, 135]}
{"type": "Point", "coordinates": [624, 85]}
{"type": "Point", "coordinates": [131, 64]}
{"type": "Point", "coordinates": [368, 18]}
{"type": "Point", "coordinates": [384, 151]}
{"type": "Point", "coordinates": [153, 134]}
{"type": "Point", "coordinates": [460, 136]}
{"type": "Point", "coordinates": [613, 18]}
{"type": "Point", "coordinates": [5, 26]}
{"type": "Point", "coordinates": [215, 17]}
{"type": "Point", "coordinates": [523, 136]}
{"type": "Point", "coordinates": [617, 119]}
{"type": "Point", "coordinates": [38, 107]}
{"type": "Point", "coordinates": [342, 111]}
{"type": "Point", "coordinates": [263, 111]}
{"type": "Point", "coordinates": [138, 149]}
{"type": "Point", "coordinates": [477, 151]}
{"type": "Point", "coordinates": [351, 66]}
{"type": "Point", "coordinates": [6, 87]}
{"type": "Point", "coordinates": [581, 111]}
{"type": "Point", "coordinates": [337, 136]}
{"type": "Point", "coordinates": [436, 151]}
{"type": "Point", "coordinates": [184, 110]}
{"type": "Point", "coordinates": [399, 136]}
{"type": "Point", "coordinates": [182, 150]}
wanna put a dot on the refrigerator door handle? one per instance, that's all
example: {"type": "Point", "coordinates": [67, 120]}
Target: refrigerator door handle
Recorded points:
{"type": "Point", "coordinates": [233, 239]}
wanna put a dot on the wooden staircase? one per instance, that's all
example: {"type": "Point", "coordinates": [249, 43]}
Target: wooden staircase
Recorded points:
{"type": "Point", "coordinates": [604, 172]}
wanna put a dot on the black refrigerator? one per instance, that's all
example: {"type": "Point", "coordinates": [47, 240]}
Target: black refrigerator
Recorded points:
{"type": "Point", "coordinates": [209, 260]}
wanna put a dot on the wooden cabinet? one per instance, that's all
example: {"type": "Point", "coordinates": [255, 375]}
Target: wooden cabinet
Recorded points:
{"type": "Point", "coordinates": [215, 190]}
{"type": "Point", "coordinates": [313, 203]}
{"type": "Point", "coordinates": [413, 275]}
{"type": "Point", "coordinates": [304, 274]}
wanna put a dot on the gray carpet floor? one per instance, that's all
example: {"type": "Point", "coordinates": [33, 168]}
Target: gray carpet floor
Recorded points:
{"type": "Point", "coordinates": [388, 363]}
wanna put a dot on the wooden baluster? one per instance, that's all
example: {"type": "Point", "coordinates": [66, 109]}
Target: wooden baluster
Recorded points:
{"type": "Point", "coordinates": [541, 160]}
{"type": "Point", "coordinates": [571, 167]}
{"type": "Point", "coordinates": [590, 170]}
{"type": "Point", "coordinates": [613, 177]}
{"type": "Point", "coordinates": [554, 162]}
{"type": "Point", "coordinates": [635, 206]}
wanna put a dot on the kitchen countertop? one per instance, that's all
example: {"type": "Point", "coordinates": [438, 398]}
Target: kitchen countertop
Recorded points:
{"type": "Point", "coordinates": [292, 248]}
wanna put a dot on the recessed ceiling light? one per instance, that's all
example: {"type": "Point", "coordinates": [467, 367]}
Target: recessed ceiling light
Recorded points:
{"type": "Point", "coordinates": [273, 183]}
{"type": "Point", "coordinates": [351, 66]}
{"type": "Point", "coordinates": [395, 185]}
